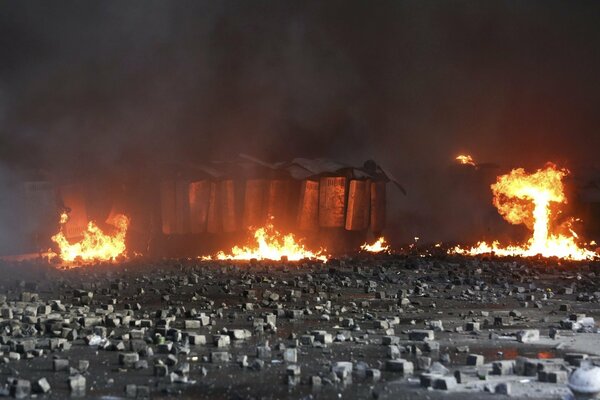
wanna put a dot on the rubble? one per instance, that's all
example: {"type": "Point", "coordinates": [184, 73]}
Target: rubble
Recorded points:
{"type": "Point", "coordinates": [174, 327]}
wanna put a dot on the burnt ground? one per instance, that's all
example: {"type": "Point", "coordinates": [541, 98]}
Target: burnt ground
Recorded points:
{"type": "Point", "coordinates": [143, 323]}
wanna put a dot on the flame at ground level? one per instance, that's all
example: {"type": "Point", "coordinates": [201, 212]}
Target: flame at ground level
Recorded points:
{"type": "Point", "coordinates": [523, 198]}
{"type": "Point", "coordinates": [95, 245]}
{"type": "Point", "coordinates": [379, 246]}
{"type": "Point", "coordinates": [271, 245]}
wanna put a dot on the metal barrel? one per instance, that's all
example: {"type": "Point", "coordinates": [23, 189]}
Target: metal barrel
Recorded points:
{"type": "Point", "coordinates": [359, 202]}
{"type": "Point", "coordinates": [214, 223]}
{"type": "Point", "coordinates": [378, 211]}
{"type": "Point", "coordinates": [332, 202]}
{"type": "Point", "coordinates": [308, 206]}
{"type": "Point", "coordinates": [254, 214]}
{"type": "Point", "coordinates": [199, 202]}
{"type": "Point", "coordinates": [228, 205]}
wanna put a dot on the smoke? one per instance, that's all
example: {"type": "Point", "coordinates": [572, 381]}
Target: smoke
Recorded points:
{"type": "Point", "coordinates": [90, 87]}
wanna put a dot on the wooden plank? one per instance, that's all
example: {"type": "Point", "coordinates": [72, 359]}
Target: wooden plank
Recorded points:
{"type": "Point", "coordinates": [254, 214]}
{"type": "Point", "coordinates": [332, 202]}
{"type": "Point", "coordinates": [378, 206]}
{"type": "Point", "coordinates": [357, 214]}
{"type": "Point", "coordinates": [308, 207]}
{"type": "Point", "coordinates": [228, 205]}
{"type": "Point", "coordinates": [214, 223]}
{"type": "Point", "coordinates": [199, 202]}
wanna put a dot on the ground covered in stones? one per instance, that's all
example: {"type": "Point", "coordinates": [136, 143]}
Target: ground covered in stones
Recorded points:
{"type": "Point", "coordinates": [386, 327]}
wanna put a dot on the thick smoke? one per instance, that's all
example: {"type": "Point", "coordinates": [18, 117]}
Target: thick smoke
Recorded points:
{"type": "Point", "coordinates": [90, 87]}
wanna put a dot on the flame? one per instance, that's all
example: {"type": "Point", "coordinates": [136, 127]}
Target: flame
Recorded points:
{"type": "Point", "coordinates": [466, 159]}
{"type": "Point", "coordinates": [271, 245]}
{"type": "Point", "coordinates": [95, 245]}
{"type": "Point", "coordinates": [379, 246]}
{"type": "Point", "coordinates": [529, 199]}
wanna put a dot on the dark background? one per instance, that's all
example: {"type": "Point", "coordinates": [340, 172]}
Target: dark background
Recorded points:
{"type": "Point", "coordinates": [89, 87]}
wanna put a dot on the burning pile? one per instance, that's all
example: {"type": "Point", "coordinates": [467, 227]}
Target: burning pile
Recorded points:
{"type": "Point", "coordinates": [95, 245]}
{"type": "Point", "coordinates": [271, 245]}
{"type": "Point", "coordinates": [529, 199]}
{"type": "Point", "coordinates": [380, 246]}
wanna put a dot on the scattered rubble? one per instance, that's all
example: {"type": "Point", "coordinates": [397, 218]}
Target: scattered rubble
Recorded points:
{"type": "Point", "coordinates": [384, 326]}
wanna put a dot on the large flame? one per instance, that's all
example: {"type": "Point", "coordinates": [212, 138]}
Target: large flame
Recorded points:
{"type": "Point", "coordinates": [95, 245]}
{"type": "Point", "coordinates": [528, 199]}
{"type": "Point", "coordinates": [271, 245]}
{"type": "Point", "coordinates": [379, 246]}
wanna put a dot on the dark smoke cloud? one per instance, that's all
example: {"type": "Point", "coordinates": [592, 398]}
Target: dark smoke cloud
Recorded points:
{"type": "Point", "coordinates": [88, 85]}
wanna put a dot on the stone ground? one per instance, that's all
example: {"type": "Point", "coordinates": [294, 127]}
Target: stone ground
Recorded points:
{"type": "Point", "coordinates": [382, 327]}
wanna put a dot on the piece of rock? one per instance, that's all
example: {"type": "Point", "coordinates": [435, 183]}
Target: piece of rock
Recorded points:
{"type": "Point", "coordinates": [402, 366]}
{"type": "Point", "coordinates": [528, 336]}
{"type": "Point", "coordinates": [77, 384]}
{"type": "Point", "coordinates": [444, 383]}
{"type": "Point", "coordinates": [421, 335]}
{"type": "Point", "coordinates": [475, 360]}
{"type": "Point", "coordinates": [41, 386]}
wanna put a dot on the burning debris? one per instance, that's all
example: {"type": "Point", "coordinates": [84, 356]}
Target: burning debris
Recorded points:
{"type": "Point", "coordinates": [465, 160]}
{"type": "Point", "coordinates": [95, 245]}
{"type": "Point", "coordinates": [271, 245]}
{"type": "Point", "coordinates": [379, 246]}
{"type": "Point", "coordinates": [534, 200]}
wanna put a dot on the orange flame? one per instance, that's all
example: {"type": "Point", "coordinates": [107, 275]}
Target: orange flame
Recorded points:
{"type": "Point", "coordinates": [95, 245]}
{"type": "Point", "coordinates": [523, 198]}
{"type": "Point", "coordinates": [271, 245]}
{"type": "Point", "coordinates": [465, 159]}
{"type": "Point", "coordinates": [379, 246]}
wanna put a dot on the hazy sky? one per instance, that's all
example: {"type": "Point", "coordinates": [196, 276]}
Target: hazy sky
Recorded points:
{"type": "Point", "coordinates": [85, 85]}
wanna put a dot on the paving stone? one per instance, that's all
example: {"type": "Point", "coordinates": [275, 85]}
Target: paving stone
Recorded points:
{"type": "Point", "coordinates": [504, 388]}
{"type": "Point", "coordinates": [290, 355]}
{"type": "Point", "coordinates": [475, 360]}
{"type": "Point", "coordinates": [20, 389]}
{"type": "Point", "coordinates": [403, 366]}
{"type": "Point", "coordinates": [444, 383]}
{"type": "Point", "coordinates": [41, 386]}
{"type": "Point", "coordinates": [77, 385]}
{"type": "Point", "coordinates": [528, 336]}
{"type": "Point", "coordinates": [343, 369]}
{"type": "Point", "coordinates": [220, 356]}
{"type": "Point", "coordinates": [421, 335]}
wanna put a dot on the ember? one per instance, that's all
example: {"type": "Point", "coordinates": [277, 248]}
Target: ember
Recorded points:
{"type": "Point", "coordinates": [380, 246]}
{"type": "Point", "coordinates": [466, 159]}
{"type": "Point", "coordinates": [271, 245]}
{"type": "Point", "coordinates": [95, 245]}
{"type": "Point", "coordinates": [523, 198]}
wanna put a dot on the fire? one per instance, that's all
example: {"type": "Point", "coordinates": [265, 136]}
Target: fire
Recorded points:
{"type": "Point", "coordinates": [271, 245]}
{"type": "Point", "coordinates": [95, 245]}
{"type": "Point", "coordinates": [466, 159]}
{"type": "Point", "coordinates": [379, 246]}
{"type": "Point", "coordinates": [532, 199]}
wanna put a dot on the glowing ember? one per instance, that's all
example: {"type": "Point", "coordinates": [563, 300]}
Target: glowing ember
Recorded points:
{"type": "Point", "coordinates": [378, 247]}
{"type": "Point", "coordinates": [271, 245]}
{"type": "Point", "coordinates": [466, 159]}
{"type": "Point", "coordinates": [95, 245]}
{"type": "Point", "coordinates": [523, 198]}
